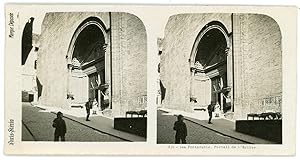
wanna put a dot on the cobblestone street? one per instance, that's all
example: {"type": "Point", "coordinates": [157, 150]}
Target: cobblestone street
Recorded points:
{"type": "Point", "coordinates": [196, 133]}
{"type": "Point", "coordinates": [37, 125]}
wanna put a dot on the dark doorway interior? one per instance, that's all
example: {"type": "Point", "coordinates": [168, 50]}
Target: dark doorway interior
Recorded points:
{"type": "Point", "coordinates": [89, 53]}
{"type": "Point", "coordinates": [212, 57]}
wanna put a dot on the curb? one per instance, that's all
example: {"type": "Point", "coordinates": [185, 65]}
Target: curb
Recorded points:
{"type": "Point", "coordinates": [223, 134]}
{"type": "Point", "coordinates": [211, 129]}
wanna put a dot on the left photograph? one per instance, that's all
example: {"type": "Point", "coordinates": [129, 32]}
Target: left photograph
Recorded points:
{"type": "Point", "coordinates": [84, 77]}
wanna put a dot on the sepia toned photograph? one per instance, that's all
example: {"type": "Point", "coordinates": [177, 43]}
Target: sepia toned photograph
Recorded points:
{"type": "Point", "coordinates": [151, 80]}
{"type": "Point", "coordinates": [82, 77]}
{"type": "Point", "coordinates": [220, 80]}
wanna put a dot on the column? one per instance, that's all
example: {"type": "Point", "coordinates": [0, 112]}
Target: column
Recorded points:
{"type": "Point", "coordinates": [192, 92]}
{"type": "Point", "coordinates": [70, 66]}
{"type": "Point", "coordinates": [107, 68]}
{"type": "Point", "coordinates": [229, 53]}
{"type": "Point", "coordinates": [99, 92]}
{"type": "Point", "coordinates": [106, 50]}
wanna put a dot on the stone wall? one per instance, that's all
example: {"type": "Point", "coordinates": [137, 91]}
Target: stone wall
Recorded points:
{"type": "Point", "coordinates": [180, 34]}
{"type": "Point", "coordinates": [129, 66]}
{"type": "Point", "coordinates": [57, 31]}
{"type": "Point", "coordinates": [256, 47]}
{"type": "Point", "coordinates": [128, 50]}
{"type": "Point", "coordinates": [28, 72]}
{"type": "Point", "coordinates": [258, 64]}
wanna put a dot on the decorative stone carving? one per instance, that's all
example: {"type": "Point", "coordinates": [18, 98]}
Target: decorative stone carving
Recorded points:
{"type": "Point", "coordinates": [198, 65]}
{"type": "Point", "coordinates": [104, 86]}
{"type": "Point", "coordinates": [197, 68]}
{"type": "Point", "coordinates": [192, 67]}
{"type": "Point", "coordinates": [227, 51]}
{"type": "Point", "coordinates": [104, 47]}
{"type": "Point", "coordinates": [75, 63]}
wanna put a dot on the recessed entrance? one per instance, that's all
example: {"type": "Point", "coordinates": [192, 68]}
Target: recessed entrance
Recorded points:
{"type": "Point", "coordinates": [209, 68]}
{"type": "Point", "coordinates": [87, 66]}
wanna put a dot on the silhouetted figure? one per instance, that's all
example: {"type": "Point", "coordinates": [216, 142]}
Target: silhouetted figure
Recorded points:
{"type": "Point", "coordinates": [88, 106]}
{"type": "Point", "coordinates": [210, 110]}
{"type": "Point", "coordinates": [181, 131]}
{"type": "Point", "coordinates": [60, 127]}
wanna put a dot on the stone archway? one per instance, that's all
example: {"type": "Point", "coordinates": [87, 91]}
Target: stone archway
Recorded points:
{"type": "Point", "coordinates": [87, 64]}
{"type": "Point", "coordinates": [209, 68]}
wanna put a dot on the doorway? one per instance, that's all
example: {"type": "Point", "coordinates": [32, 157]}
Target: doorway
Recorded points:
{"type": "Point", "coordinates": [93, 87]}
{"type": "Point", "coordinates": [88, 54]}
{"type": "Point", "coordinates": [209, 64]}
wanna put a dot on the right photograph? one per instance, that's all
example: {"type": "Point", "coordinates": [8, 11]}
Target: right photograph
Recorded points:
{"type": "Point", "coordinates": [220, 80]}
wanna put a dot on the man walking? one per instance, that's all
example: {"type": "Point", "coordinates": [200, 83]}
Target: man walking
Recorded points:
{"type": "Point", "coordinates": [210, 110]}
{"type": "Point", "coordinates": [60, 127]}
{"type": "Point", "coordinates": [88, 106]}
{"type": "Point", "coordinates": [181, 131]}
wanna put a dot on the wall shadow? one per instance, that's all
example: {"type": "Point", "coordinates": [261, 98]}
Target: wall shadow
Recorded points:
{"type": "Point", "coordinates": [27, 40]}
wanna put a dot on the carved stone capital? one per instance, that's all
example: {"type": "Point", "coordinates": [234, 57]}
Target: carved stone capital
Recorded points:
{"type": "Point", "coordinates": [227, 51]}
{"type": "Point", "coordinates": [104, 46]}
{"type": "Point", "coordinates": [193, 69]}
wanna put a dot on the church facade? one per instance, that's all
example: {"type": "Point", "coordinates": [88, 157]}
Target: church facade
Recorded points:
{"type": "Point", "coordinates": [233, 61]}
{"type": "Point", "coordinates": [99, 55]}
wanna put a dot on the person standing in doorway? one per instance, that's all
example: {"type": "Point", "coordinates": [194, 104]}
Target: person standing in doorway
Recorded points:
{"type": "Point", "coordinates": [60, 127]}
{"type": "Point", "coordinates": [105, 102]}
{"type": "Point", "coordinates": [181, 131]}
{"type": "Point", "coordinates": [210, 110]}
{"type": "Point", "coordinates": [88, 106]}
{"type": "Point", "coordinates": [95, 106]}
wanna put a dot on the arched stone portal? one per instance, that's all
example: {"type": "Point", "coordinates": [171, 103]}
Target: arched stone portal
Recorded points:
{"type": "Point", "coordinates": [87, 64]}
{"type": "Point", "coordinates": [209, 68]}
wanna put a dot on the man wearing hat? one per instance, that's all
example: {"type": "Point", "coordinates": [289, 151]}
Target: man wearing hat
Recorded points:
{"type": "Point", "coordinates": [181, 131]}
{"type": "Point", "coordinates": [88, 106]}
{"type": "Point", "coordinates": [60, 127]}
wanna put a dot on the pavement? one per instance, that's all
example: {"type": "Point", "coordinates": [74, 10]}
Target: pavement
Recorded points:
{"type": "Point", "coordinates": [222, 131]}
{"type": "Point", "coordinates": [37, 125]}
